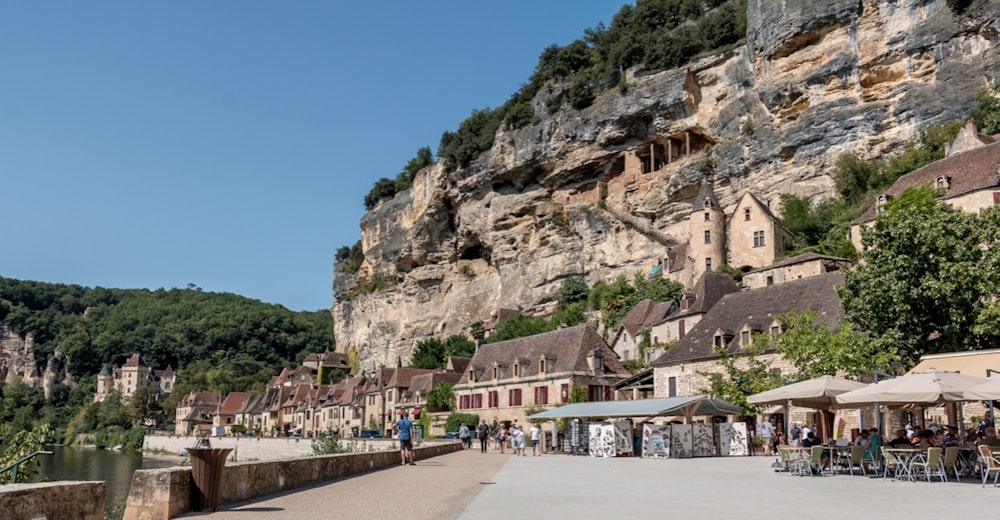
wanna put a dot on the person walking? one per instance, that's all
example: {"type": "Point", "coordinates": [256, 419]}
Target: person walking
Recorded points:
{"type": "Point", "coordinates": [502, 438]}
{"type": "Point", "coordinates": [405, 428]}
{"type": "Point", "coordinates": [766, 431]}
{"type": "Point", "coordinates": [484, 436]}
{"type": "Point", "coordinates": [795, 435]}
{"type": "Point", "coordinates": [536, 434]}
{"type": "Point", "coordinates": [466, 436]}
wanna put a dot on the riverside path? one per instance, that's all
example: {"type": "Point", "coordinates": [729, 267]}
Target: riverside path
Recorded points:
{"type": "Point", "coordinates": [467, 485]}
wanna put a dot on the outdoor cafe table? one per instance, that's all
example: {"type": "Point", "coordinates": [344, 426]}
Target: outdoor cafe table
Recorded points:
{"type": "Point", "coordinates": [905, 456]}
{"type": "Point", "coordinates": [837, 454]}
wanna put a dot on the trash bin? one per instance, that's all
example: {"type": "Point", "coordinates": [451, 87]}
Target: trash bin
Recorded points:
{"type": "Point", "coordinates": [206, 471]}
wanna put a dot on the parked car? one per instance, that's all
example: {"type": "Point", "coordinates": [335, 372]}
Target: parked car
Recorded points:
{"type": "Point", "coordinates": [370, 434]}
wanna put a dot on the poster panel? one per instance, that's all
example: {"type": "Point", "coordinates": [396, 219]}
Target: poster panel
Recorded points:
{"type": "Point", "coordinates": [703, 440]}
{"type": "Point", "coordinates": [602, 440]}
{"type": "Point", "coordinates": [656, 441]}
{"type": "Point", "coordinates": [623, 437]}
{"type": "Point", "coordinates": [681, 440]}
{"type": "Point", "coordinates": [733, 439]}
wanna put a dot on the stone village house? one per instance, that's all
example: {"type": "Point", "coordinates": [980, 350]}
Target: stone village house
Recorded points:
{"type": "Point", "coordinates": [968, 176]}
{"type": "Point", "coordinates": [507, 379]}
{"type": "Point", "coordinates": [731, 325]}
{"type": "Point", "coordinates": [131, 376]}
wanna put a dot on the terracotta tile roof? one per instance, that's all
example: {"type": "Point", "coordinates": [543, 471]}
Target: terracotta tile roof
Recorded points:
{"type": "Point", "coordinates": [968, 171]}
{"type": "Point", "coordinates": [280, 378]}
{"type": "Point", "coordinates": [232, 403]}
{"type": "Point", "coordinates": [565, 349]}
{"type": "Point", "coordinates": [757, 308]}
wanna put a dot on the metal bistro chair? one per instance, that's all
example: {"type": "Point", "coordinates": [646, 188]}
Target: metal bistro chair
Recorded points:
{"type": "Point", "coordinates": [788, 456]}
{"type": "Point", "coordinates": [989, 464]}
{"type": "Point", "coordinates": [857, 459]}
{"type": "Point", "coordinates": [930, 463]}
{"type": "Point", "coordinates": [814, 463]}
{"type": "Point", "coordinates": [952, 462]}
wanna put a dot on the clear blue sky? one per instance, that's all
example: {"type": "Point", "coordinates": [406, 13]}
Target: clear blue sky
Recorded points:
{"type": "Point", "coordinates": [230, 144]}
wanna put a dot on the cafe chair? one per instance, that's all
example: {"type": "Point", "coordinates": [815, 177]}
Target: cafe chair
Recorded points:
{"type": "Point", "coordinates": [952, 462]}
{"type": "Point", "coordinates": [857, 459]}
{"type": "Point", "coordinates": [816, 460]}
{"type": "Point", "coordinates": [989, 464]}
{"type": "Point", "coordinates": [930, 463]}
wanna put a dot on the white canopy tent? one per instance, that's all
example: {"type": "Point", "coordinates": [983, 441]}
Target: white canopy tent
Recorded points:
{"type": "Point", "coordinates": [687, 407]}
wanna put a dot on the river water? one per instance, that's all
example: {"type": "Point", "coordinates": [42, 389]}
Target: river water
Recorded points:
{"type": "Point", "coordinates": [113, 467]}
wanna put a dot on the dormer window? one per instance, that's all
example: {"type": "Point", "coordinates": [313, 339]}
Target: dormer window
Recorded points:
{"type": "Point", "coordinates": [496, 372]}
{"type": "Point", "coordinates": [517, 369]}
{"type": "Point", "coordinates": [717, 340]}
{"type": "Point", "coordinates": [745, 339]}
{"type": "Point", "coordinates": [598, 361]}
{"type": "Point", "coordinates": [941, 182]}
{"type": "Point", "coordinates": [541, 366]}
{"type": "Point", "coordinates": [472, 375]}
{"type": "Point", "coordinates": [708, 202]}
{"type": "Point", "coordinates": [880, 203]}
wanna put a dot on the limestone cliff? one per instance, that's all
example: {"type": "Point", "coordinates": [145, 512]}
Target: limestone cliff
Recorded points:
{"type": "Point", "coordinates": [604, 190]}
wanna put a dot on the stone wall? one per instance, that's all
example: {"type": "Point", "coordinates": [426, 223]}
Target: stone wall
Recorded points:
{"type": "Point", "coordinates": [161, 494]}
{"type": "Point", "coordinates": [53, 500]}
{"type": "Point", "coordinates": [256, 449]}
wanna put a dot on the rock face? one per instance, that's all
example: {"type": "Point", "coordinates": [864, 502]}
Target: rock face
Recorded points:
{"type": "Point", "coordinates": [569, 196]}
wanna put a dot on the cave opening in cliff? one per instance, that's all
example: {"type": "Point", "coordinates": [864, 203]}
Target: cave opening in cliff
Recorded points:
{"type": "Point", "coordinates": [474, 250]}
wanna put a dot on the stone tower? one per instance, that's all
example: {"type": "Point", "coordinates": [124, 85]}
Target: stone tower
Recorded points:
{"type": "Point", "coordinates": [707, 245]}
{"type": "Point", "coordinates": [105, 384]}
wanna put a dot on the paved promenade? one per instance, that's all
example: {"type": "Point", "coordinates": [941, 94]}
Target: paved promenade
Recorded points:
{"type": "Point", "coordinates": [469, 486]}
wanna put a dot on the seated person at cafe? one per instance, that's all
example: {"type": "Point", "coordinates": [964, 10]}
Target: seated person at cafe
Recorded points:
{"type": "Point", "coordinates": [901, 441]}
{"type": "Point", "coordinates": [951, 437]}
{"type": "Point", "coordinates": [918, 433]}
{"type": "Point", "coordinates": [927, 439]}
{"type": "Point", "coordinates": [991, 437]}
{"type": "Point", "coordinates": [863, 439]}
{"type": "Point", "coordinates": [811, 441]}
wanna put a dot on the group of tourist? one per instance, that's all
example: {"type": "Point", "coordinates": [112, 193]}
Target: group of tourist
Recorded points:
{"type": "Point", "coordinates": [501, 435]}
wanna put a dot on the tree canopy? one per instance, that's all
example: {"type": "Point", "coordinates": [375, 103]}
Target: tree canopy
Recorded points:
{"type": "Point", "coordinates": [921, 285]}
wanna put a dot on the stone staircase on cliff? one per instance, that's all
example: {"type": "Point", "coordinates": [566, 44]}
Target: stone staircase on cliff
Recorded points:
{"type": "Point", "coordinates": [642, 226]}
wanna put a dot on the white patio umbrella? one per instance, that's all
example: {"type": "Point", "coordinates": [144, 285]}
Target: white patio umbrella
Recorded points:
{"type": "Point", "coordinates": [817, 393]}
{"type": "Point", "coordinates": [988, 391]}
{"type": "Point", "coordinates": [930, 387]}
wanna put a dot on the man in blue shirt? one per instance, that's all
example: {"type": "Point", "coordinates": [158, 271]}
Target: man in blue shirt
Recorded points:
{"type": "Point", "coordinates": [405, 428]}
